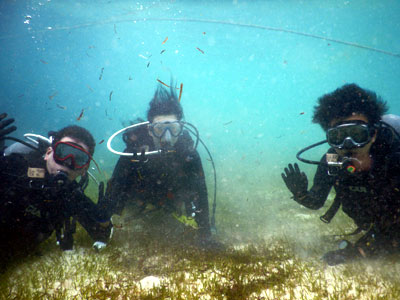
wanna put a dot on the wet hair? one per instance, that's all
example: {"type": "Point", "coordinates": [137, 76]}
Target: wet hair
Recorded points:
{"type": "Point", "coordinates": [76, 132]}
{"type": "Point", "coordinates": [164, 102]}
{"type": "Point", "coordinates": [141, 132]}
{"type": "Point", "coordinates": [346, 101]}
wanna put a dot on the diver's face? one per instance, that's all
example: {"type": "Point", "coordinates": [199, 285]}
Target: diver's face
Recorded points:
{"type": "Point", "coordinates": [355, 152]}
{"type": "Point", "coordinates": [53, 167]}
{"type": "Point", "coordinates": [162, 135]}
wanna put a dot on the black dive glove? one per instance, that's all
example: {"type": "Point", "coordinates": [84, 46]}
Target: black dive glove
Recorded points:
{"type": "Point", "coordinates": [3, 124]}
{"type": "Point", "coordinates": [4, 129]}
{"type": "Point", "coordinates": [295, 181]}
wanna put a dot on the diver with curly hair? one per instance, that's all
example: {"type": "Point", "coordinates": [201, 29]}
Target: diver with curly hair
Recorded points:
{"type": "Point", "coordinates": [363, 167]}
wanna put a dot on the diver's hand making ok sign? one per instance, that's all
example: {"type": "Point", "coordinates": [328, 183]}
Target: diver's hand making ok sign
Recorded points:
{"type": "Point", "coordinates": [295, 180]}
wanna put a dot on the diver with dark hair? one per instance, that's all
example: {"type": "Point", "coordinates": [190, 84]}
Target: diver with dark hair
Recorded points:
{"type": "Point", "coordinates": [170, 181]}
{"type": "Point", "coordinates": [363, 167]}
{"type": "Point", "coordinates": [137, 138]}
{"type": "Point", "coordinates": [40, 194]}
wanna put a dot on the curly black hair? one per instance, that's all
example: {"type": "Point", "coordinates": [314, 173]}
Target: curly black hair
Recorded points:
{"type": "Point", "coordinates": [76, 132]}
{"type": "Point", "coordinates": [348, 100]}
{"type": "Point", "coordinates": [164, 102]}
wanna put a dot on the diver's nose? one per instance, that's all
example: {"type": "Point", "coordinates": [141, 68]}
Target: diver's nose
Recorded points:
{"type": "Point", "coordinates": [167, 138]}
{"type": "Point", "coordinates": [69, 163]}
{"type": "Point", "coordinates": [349, 144]}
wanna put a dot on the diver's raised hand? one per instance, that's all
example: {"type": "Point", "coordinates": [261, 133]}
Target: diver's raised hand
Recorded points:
{"type": "Point", "coordinates": [4, 129]}
{"type": "Point", "coordinates": [295, 180]}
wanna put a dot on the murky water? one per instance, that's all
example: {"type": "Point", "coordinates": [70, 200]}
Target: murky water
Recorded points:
{"type": "Point", "coordinates": [251, 73]}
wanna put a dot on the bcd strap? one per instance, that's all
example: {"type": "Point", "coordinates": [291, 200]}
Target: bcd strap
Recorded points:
{"type": "Point", "coordinates": [331, 212]}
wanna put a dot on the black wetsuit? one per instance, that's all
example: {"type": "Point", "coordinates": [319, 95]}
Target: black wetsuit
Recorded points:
{"type": "Point", "coordinates": [31, 209]}
{"type": "Point", "coordinates": [371, 198]}
{"type": "Point", "coordinates": [166, 181]}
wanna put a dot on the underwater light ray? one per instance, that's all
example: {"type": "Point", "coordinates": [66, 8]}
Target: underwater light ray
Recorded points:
{"type": "Point", "coordinates": [212, 21]}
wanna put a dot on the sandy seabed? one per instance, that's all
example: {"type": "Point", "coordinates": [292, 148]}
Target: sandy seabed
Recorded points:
{"type": "Point", "coordinates": [264, 258]}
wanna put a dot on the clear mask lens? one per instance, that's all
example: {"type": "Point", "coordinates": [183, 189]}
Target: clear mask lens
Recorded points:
{"type": "Point", "coordinates": [159, 129]}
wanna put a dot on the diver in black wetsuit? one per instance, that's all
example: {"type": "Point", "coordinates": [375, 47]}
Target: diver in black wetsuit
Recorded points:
{"type": "Point", "coordinates": [363, 166]}
{"type": "Point", "coordinates": [171, 181]}
{"type": "Point", "coordinates": [39, 193]}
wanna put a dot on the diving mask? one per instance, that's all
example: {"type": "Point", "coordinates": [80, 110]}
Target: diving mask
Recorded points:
{"type": "Point", "coordinates": [350, 135]}
{"type": "Point", "coordinates": [71, 155]}
{"type": "Point", "coordinates": [159, 129]}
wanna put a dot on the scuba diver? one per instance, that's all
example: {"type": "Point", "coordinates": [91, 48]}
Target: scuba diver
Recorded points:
{"type": "Point", "coordinates": [40, 194]}
{"type": "Point", "coordinates": [161, 171]}
{"type": "Point", "coordinates": [363, 167]}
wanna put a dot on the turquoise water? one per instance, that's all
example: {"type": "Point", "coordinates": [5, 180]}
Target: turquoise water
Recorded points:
{"type": "Point", "coordinates": [246, 93]}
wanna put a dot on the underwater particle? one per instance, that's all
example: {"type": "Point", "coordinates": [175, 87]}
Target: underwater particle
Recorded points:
{"type": "Point", "coordinates": [61, 106]}
{"type": "Point", "coordinates": [148, 64]}
{"type": "Point", "coordinates": [115, 29]}
{"type": "Point", "coordinates": [20, 96]}
{"type": "Point", "coordinates": [110, 95]}
{"type": "Point", "coordinates": [162, 51]}
{"type": "Point", "coordinates": [101, 74]}
{"type": "Point", "coordinates": [200, 50]}
{"type": "Point", "coordinates": [180, 93]}
{"type": "Point", "coordinates": [43, 62]}
{"type": "Point", "coordinates": [88, 86]}
{"type": "Point", "coordinates": [53, 95]}
{"type": "Point", "coordinates": [163, 83]}
{"type": "Point", "coordinates": [302, 113]}
{"type": "Point", "coordinates": [285, 62]}
{"type": "Point", "coordinates": [101, 142]}
{"type": "Point", "coordinates": [130, 78]}
{"type": "Point", "coordinates": [28, 18]}
{"type": "Point", "coordinates": [80, 115]}
{"type": "Point", "coordinates": [166, 39]}
{"type": "Point", "coordinates": [227, 123]}
{"type": "Point", "coordinates": [204, 33]}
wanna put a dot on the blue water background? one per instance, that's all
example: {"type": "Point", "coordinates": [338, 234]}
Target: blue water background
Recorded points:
{"type": "Point", "coordinates": [250, 94]}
